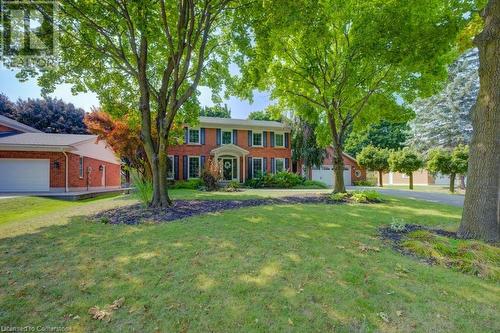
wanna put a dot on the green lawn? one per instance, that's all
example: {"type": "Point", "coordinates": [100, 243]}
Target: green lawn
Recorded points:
{"type": "Point", "coordinates": [274, 268]}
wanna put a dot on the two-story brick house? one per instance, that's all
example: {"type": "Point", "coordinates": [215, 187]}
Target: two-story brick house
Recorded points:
{"type": "Point", "coordinates": [245, 148]}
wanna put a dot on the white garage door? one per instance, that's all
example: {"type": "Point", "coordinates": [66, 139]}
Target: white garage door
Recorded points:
{"type": "Point", "coordinates": [324, 174]}
{"type": "Point", "coordinates": [20, 175]}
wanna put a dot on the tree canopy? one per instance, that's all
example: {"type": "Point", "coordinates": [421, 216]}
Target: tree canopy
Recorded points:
{"type": "Point", "coordinates": [405, 161]}
{"type": "Point", "coordinates": [48, 115]}
{"type": "Point", "coordinates": [353, 61]}
{"type": "Point", "coordinates": [385, 134]}
{"type": "Point", "coordinates": [376, 159]}
{"type": "Point", "coordinates": [144, 59]}
{"type": "Point", "coordinates": [216, 111]}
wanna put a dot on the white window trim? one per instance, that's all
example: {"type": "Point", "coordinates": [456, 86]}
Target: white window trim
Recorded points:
{"type": "Point", "coordinates": [189, 166]}
{"type": "Point", "coordinates": [275, 160]}
{"type": "Point", "coordinates": [261, 138]}
{"type": "Point", "coordinates": [261, 165]}
{"type": "Point", "coordinates": [189, 136]}
{"type": "Point", "coordinates": [173, 167]}
{"type": "Point", "coordinates": [279, 133]}
{"type": "Point", "coordinates": [222, 136]}
{"type": "Point", "coordinates": [81, 167]}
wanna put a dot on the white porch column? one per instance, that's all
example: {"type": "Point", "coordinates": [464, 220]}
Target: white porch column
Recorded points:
{"type": "Point", "coordinates": [243, 158]}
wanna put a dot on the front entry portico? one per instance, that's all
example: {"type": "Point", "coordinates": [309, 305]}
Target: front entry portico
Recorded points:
{"type": "Point", "coordinates": [229, 156]}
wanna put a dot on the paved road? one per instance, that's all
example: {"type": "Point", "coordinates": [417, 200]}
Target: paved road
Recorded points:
{"type": "Point", "coordinates": [449, 199]}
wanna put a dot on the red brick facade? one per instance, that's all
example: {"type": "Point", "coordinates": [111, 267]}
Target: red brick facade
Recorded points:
{"type": "Point", "coordinates": [75, 182]}
{"type": "Point", "coordinates": [210, 143]}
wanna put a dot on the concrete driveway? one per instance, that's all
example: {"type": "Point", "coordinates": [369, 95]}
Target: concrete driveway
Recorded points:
{"type": "Point", "coordinates": [448, 199]}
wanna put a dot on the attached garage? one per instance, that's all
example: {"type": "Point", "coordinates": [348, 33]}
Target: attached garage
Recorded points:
{"type": "Point", "coordinates": [325, 174]}
{"type": "Point", "coordinates": [24, 175]}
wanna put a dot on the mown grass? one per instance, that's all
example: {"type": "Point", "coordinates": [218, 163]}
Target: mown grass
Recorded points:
{"type": "Point", "coordinates": [468, 256]}
{"type": "Point", "coordinates": [427, 188]}
{"type": "Point", "coordinates": [296, 268]}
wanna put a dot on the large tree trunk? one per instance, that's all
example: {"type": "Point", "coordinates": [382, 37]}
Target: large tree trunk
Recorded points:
{"type": "Point", "coordinates": [480, 218]}
{"type": "Point", "coordinates": [338, 169]}
{"type": "Point", "coordinates": [452, 182]}
{"type": "Point", "coordinates": [338, 159]}
{"type": "Point", "coordinates": [380, 177]}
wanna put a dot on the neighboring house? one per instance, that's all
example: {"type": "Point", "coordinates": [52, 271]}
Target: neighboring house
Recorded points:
{"type": "Point", "coordinates": [33, 161]}
{"type": "Point", "coordinates": [420, 177]}
{"type": "Point", "coordinates": [324, 173]}
{"type": "Point", "coordinates": [245, 148]}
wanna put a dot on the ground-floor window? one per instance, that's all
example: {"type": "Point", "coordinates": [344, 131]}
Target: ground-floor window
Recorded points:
{"type": "Point", "coordinates": [279, 164]}
{"type": "Point", "coordinates": [80, 167]}
{"type": "Point", "coordinates": [194, 167]}
{"type": "Point", "coordinates": [257, 167]}
{"type": "Point", "coordinates": [170, 167]}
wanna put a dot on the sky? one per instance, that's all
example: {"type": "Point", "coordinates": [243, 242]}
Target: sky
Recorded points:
{"type": "Point", "coordinates": [10, 86]}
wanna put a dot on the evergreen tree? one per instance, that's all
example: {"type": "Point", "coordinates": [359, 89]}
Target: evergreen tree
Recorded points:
{"type": "Point", "coordinates": [444, 120]}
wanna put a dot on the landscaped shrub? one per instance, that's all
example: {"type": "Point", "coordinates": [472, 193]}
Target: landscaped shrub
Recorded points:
{"type": "Point", "coordinates": [339, 197]}
{"type": "Point", "coordinates": [191, 184]}
{"type": "Point", "coordinates": [357, 196]}
{"type": "Point", "coordinates": [366, 196]}
{"type": "Point", "coordinates": [211, 175]}
{"type": "Point", "coordinates": [364, 183]}
{"type": "Point", "coordinates": [281, 179]}
{"type": "Point", "coordinates": [233, 186]}
{"type": "Point", "coordinates": [311, 184]}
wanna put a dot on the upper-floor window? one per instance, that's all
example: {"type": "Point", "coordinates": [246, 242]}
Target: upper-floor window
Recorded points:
{"type": "Point", "coordinates": [170, 167]}
{"type": "Point", "coordinates": [279, 139]}
{"type": "Point", "coordinates": [227, 137]}
{"type": "Point", "coordinates": [279, 164]}
{"type": "Point", "coordinates": [257, 139]}
{"type": "Point", "coordinates": [194, 166]}
{"type": "Point", "coordinates": [80, 167]}
{"type": "Point", "coordinates": [194, 136]}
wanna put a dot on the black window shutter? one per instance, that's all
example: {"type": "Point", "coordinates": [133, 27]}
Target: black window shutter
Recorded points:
{"type": "Point", "coordinates": [202, 163]}
{"type": "Point", "coordinates": [235, 137]}
{"type": "Point", "coordinates": [202, 136]}
{"type": "Point", "coordinates": [249, 167]}
{"type": "Point", "coordinates": [272, 138]}
{"type": "Point", "coordinates": [218, 136]}
{"type": "Point", "coordinates": [250, 138]}
{"type": "Point", "coordinates": [176, 167]}
{"type": "Point", "coordinates": [185, 167]}
{"type": "Point", "coordinates": [272, 165]}
{"type": "Point", "coordinates": [186, 135]}
{"type": "Point", "coordinates": [287, 162]}
{"type": "Point", "coordinates": [264, 139]}
{"type": "Point", "coordinates": [264, 165]}
{"type": "Point", "coordinates": [287, 139]}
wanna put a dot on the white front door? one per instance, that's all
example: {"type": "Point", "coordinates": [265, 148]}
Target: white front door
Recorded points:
{"type": "Point", "coordinates": [24, 175]}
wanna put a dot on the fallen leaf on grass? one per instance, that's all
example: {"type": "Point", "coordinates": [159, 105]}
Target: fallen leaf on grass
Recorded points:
{"type": "Point", "coordinates": [105, 313]}
{"type": "Point", "coordinates": [290, 322]}
{"type": "Point", "coordinates": [399, 313]}
{"type": "Point", "coordinates": [383, 316]}
{"type": "Point", "coordinates": [367, 248]}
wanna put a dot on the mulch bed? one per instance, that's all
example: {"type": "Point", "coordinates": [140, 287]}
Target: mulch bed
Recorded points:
{"type": "Point", "coordinates": [394, 237]}
{"type": "Point", "coordinates": [180, 209]}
